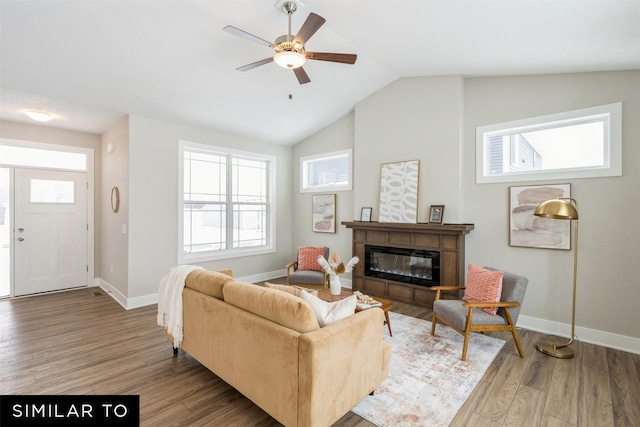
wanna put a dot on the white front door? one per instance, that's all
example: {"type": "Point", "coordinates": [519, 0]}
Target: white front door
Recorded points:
{"type": "Point", "coordinates": [51, 235]}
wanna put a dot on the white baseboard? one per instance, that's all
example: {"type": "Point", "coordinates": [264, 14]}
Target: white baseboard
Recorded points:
{"type": "Point", "coordinates": [127, 303]}
{"type": "Point", "coordinates": [149, 299]}
{"type": "Point", "coordinates": [591, 336]}
{"type": "Point", "coordinates": [262, 277]}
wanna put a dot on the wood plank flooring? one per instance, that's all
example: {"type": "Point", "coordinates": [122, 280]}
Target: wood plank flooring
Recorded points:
{"type": "Point", "coordinates": [79, 343]}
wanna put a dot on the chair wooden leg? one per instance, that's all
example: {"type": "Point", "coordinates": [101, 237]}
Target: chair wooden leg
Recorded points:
{"type": "Point", "coordinates": [467, 332]}
{"type": "Point", "coordinates": [434, 320]}
{"type": "Point", "coordinates": [465, 345]}
{"type": "Point", "coordinates": [515, 338]}
{"type": "Point", "coordinates": [513, 331]}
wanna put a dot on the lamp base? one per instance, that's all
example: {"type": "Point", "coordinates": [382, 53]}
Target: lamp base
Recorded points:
{"type": "Point", "coordinates": [551, 349]}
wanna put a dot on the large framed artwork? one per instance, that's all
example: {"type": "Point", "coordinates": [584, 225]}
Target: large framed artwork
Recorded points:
{"type": "Point", "coordinates": [530, 231]}
{"type": "Point", "coordinates": [323, 215]}
{"type": "Point", "coordinates": [399, 192]}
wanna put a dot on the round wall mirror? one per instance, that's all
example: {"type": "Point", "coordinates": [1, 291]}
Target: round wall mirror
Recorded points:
{"type": "Point", "coordinates": [115, 199]}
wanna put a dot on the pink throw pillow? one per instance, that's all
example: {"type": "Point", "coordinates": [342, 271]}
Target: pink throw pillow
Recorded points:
{"type": "Point", "coordinates": [483, 286]}
{"type": "Point", "coordinates": [308, 258]}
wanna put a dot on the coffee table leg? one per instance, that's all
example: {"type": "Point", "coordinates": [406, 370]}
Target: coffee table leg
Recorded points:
{"type": "Point", "coordinates": [388, 322]}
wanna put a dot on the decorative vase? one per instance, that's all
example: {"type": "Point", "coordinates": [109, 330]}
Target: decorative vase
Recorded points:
{"type": "Point", "coordinates": [335, 285]}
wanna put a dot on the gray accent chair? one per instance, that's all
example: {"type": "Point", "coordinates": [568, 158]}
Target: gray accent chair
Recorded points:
{"type": "Point", "coordinates": [308, 278]}
{"type": "Point", "coordinates": [465, 317]}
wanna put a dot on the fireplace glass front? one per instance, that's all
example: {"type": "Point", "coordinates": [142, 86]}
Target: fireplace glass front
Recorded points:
{"type": "Point", "coordinates": [414, 266]}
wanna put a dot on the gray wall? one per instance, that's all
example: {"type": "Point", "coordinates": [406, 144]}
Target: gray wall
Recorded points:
{"type": "Point", "coordinates": [338, 136]}
{"type": "Point", "coordinates": [115, 173]}
{"type": "Point", "coordinates": [609, 251]}
{"type": "Point", "coordinates": [433, 119]}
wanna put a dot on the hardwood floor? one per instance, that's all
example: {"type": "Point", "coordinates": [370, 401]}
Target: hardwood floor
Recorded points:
{"type": "Point", "coordinates": [78, 342]}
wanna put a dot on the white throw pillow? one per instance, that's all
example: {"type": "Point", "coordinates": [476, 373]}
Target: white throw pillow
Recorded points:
{"type": "Point", "coordinates": [330, 312]}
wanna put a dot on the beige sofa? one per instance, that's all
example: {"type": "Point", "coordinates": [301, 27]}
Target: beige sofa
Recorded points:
{"type": "Point", "coordinates": [268, 345]}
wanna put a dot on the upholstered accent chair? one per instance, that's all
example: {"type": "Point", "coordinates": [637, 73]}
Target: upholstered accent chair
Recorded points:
{"type": "Point", "coordinates": [305, 270]}
{"type": "Point", "coordinates": [466, 317]}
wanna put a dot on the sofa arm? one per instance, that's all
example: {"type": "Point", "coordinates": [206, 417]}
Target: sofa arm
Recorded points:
{"type": "Point", "coordinates": [339, 365]}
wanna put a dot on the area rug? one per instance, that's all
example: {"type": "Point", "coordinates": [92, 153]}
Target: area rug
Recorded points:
{"type": "Point", "coordinates": [427, 382]}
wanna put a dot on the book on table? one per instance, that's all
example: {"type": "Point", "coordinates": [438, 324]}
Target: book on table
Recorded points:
{"type": "Point", "coordinates": [363, 306]}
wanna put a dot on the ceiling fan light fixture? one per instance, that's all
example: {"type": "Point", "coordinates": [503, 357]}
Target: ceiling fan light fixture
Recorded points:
{"type": "Point", "coordinates": [289, 59]}
{"type": "Point", "coordinates": [39, 116]}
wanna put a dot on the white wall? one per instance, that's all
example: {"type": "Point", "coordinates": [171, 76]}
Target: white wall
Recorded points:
{"type": "Point", "coordinates": [153, 203]}
{"type": "Point", "coordinates": [338, 136]}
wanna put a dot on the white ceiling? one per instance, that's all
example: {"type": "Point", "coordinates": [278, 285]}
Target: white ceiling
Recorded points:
{"type": "Point", "coordinates": [91, 62]}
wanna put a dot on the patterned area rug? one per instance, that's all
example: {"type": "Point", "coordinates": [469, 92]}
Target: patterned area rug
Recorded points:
{"type": "Point", "coordinates": [427, 382]}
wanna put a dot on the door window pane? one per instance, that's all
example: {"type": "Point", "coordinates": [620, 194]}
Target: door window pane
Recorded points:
{"type": "Point", "coordinates": [52, 191]}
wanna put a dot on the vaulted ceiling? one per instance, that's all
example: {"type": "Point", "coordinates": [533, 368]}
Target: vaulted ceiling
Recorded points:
{"type": "Point", "coordinates": [91, 62]}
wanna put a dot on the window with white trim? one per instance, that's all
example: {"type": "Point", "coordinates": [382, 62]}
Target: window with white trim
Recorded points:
{"type": "Point", "coordinates": [226, 207]}
{"type": "Point", "coordinates": [326, 172]}
{"type": "Point", "coordinates": [582, 143]}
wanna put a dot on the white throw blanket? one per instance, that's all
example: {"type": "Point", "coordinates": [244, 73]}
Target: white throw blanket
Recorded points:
{"type": "Point", "coordinates": [170, 301]}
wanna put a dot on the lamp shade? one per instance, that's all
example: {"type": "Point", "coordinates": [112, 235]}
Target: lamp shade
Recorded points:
{"type": "Point", "coordinates": [289, 59]}
{"type": "Point", "coordinates": [557, 209]}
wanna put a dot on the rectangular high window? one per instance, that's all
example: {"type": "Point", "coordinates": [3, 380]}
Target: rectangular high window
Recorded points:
{"type": "Point", "coordinates": [225, 203]}
{"type": "Point", "coordinates": [582, 143]}
{"type": "Point", "coordinates": [326, 172]}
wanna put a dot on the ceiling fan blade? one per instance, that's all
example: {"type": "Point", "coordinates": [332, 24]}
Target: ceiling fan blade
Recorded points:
{"type": "Point", "coordinates": [254, 64]}
{"type": "Point", "coordinates": [238, 32]}
{"type": "Point", "coordinates": [343, 58]}
{"type": "Point", "coordinates": [309, 28]}
{"type": "Point", "coordinates": [301, 75]}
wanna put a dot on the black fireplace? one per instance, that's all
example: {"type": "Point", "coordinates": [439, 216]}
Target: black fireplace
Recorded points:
{"type": "Point", "coordinates": [414, 266]}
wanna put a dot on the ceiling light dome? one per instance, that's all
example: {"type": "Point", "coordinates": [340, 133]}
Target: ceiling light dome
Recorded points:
{"type": "Point", "coordinates": [39, 116]}
{"type": "Point", "coordinates": [290, 59]}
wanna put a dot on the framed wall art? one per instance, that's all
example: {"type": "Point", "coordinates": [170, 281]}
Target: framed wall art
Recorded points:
{"type": "Point", "coordinates": [436, 214]}
{"type": "Point", "coordinates": [365, 214]}
{"type": "Point", "coordinates": [530, 231]}
{"type": "Point", "coordinates": [399, 192]}
{"type": "Point", "coordinates": [323, 217]}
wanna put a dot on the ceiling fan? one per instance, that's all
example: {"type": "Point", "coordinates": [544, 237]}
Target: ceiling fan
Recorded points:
{"type": "Point", "coordinates": [289, 50]}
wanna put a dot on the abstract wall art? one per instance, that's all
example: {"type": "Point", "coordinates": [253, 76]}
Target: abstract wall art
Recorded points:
{"type": "Point", "coordinates": [399, 192]}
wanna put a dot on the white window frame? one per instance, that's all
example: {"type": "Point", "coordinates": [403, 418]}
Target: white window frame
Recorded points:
{"type": "Point", "coordinates": [304, 172]}
{"type": "Point", "coordinates": [609, 114]}
{"type": "Point", "coordinates": [270, 247]}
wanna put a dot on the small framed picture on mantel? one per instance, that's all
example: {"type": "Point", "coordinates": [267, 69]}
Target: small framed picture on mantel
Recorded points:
{"type": "Point", "coordinates": [436, 214]}
{"type": "Point", "coordinates": [365, 215]}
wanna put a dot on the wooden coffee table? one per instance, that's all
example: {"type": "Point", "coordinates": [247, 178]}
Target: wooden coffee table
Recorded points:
{"type": "Point", "coordinates": [325, 295]}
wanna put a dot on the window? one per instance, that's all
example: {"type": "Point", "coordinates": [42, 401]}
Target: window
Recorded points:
{"type": "Point", "coordinates": [52, 191]}
{"type": "Point", "coordinates": [225, 202]}
{"type": "Point", "coordinates": [328, 171]}
{"type": "Point", "coordinates": [40, 157]}
{"type": "Point", "coordinates": [575, 144]}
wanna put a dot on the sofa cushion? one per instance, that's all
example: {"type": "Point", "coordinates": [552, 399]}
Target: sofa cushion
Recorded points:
{"type": "Point", "coordinates": [209, 282]}
{"type": "Point", "coordinates": [483, 286]}
{"type": "Point", "coordinates": [330, 312]}
{"type": "Point", "coordinates": [277, 306]}
{"type": "Point", "coordinates": [293, 290]}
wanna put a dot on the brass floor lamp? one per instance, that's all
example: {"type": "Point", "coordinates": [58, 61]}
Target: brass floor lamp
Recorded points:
{"type": "Point", "coordinates": [562, 208]}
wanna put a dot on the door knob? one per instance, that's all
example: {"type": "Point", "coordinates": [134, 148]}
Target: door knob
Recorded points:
{"type": "Point", "coordinates": [20, 239]}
